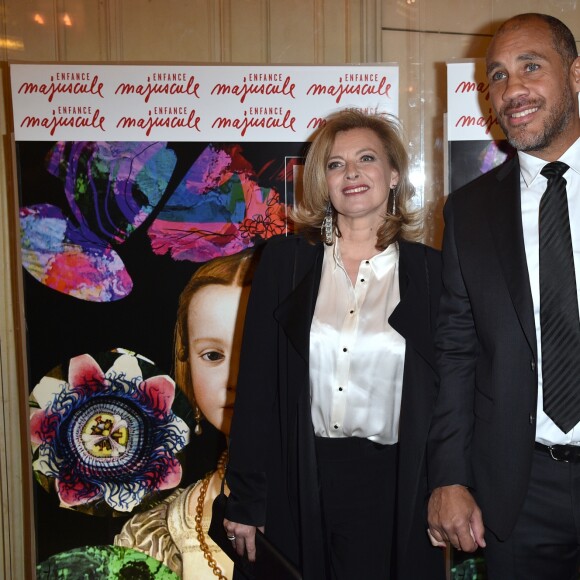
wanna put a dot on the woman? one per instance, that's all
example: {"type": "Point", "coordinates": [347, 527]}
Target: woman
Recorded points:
{"type": "Point", "coordinates": [337, 382]}
{"type": "Point", "coordinates": [207, 345]}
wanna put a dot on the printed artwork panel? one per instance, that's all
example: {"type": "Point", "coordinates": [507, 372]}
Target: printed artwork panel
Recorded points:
{"type": "Point", "coordinates": [111, 233]}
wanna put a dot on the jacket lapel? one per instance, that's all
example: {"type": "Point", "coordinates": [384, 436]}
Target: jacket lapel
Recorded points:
{"type": "Point", "coordinates": [411, 317]}
{"type": "Point", "coordinates": [505, 219]}
{"type": "Point", "coordinates": [296, 311]}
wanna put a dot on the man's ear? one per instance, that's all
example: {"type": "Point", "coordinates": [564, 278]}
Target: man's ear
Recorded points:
{"type": "Point", "coordinates": [575, 73]}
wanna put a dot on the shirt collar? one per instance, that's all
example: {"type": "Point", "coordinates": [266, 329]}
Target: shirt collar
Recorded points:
{"type": "Point", "coordinates": [380, 264]}
{"type": "Point", "coordinates": [531, 166]}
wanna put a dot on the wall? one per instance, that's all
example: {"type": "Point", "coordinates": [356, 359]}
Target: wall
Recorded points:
{"type": "Point", "coordinates": [421, 35]}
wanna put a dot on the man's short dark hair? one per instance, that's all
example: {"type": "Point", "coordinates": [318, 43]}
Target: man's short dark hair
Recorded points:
{"type": "Point", "coordinates": [562, 37]}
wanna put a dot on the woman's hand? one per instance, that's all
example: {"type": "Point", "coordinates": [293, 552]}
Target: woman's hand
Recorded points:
{"type": "Point", "coordinates": [243, 537]}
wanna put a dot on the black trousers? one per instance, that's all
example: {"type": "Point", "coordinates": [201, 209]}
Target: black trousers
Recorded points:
{"type": "Point", "coordinates": [358, 491]}
{"type": "Point", "coordinates": [545, 544]}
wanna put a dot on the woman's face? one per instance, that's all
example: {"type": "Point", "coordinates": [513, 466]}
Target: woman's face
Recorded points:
{"type": "Point", "coordinates": [214, 347]}
{"type": "Point", "coordinates": [359, 175]}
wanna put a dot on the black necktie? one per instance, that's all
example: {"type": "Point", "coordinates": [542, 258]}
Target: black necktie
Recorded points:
{"type": "Point", "coordinates": [559, 318]}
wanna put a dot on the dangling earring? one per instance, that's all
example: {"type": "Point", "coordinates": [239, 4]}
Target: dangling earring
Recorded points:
{"type": "Point", "coordinates": [197, 416]}
{"type": "Point", "coordinates": [393, 194]}
{"type": "Point", "coordinates": [327, 227]}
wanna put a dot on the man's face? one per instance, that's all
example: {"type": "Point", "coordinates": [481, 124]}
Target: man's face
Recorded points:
{"type": "Point", "coordinates": [533, 93]}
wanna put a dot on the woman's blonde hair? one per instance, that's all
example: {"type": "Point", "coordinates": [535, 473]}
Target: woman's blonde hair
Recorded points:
{"type": "Point", "coordinates": [235, 270]}
{"type": "Point", "coordinates": [402, 223]}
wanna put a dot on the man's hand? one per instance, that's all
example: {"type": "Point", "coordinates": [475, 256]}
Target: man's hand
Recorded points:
{"type": "Point", "coordinates": [454, 517]}
{"type": "Point", "coordinates": [243, 538]}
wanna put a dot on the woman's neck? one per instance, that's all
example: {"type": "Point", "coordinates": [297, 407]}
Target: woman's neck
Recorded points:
{"type": "Point", "coordinates": [356, 246]}
{"type": "Point", "coordinates": [358, 238]}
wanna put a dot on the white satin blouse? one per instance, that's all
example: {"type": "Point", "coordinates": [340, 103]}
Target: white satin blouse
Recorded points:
{"type": "Point", "coordinates": [356, 358]}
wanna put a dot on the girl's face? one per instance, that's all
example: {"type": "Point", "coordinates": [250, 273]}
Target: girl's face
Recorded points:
{"type": "Point", "coordinates": [214, 347]}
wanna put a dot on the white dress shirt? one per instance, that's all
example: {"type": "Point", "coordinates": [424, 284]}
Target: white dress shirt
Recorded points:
{"type": "Point", "coordinates": [533, 184]}
{"type": "Point", "coordinates": [356, 358]}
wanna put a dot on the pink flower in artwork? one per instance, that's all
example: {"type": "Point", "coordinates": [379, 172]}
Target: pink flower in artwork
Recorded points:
{"type": "Point", "coordinates": [107, 437]}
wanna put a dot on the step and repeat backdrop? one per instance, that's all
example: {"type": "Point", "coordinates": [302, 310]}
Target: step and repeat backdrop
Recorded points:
{"type": "Point", "coordinates": [142, 191]}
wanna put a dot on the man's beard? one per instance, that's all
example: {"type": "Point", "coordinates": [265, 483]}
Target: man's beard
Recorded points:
{"type": "Point", "coordinates": [559, 117]}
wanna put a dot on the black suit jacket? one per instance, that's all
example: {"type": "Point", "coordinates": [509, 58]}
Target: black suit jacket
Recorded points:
{"type": "Point", "coordinates": [484, 426]}
{"type": "Point", "coordinates": [272, 471]}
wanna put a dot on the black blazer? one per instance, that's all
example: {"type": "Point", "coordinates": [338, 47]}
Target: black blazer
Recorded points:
{"type": "Point", "coordinates": [484, 427]}
{"type": "Point", "coordinates": [272, 471]}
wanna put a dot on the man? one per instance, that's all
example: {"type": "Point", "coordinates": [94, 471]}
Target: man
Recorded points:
{"type": "Point", "coordinates": [496, 443]}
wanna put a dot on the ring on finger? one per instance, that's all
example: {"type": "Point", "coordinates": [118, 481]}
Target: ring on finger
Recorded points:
{"type": "Point", "coordinates": [231, 538]}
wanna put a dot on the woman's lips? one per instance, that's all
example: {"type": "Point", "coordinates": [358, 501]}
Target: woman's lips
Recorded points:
{"type": "Point", "coordinates": [355, 190]}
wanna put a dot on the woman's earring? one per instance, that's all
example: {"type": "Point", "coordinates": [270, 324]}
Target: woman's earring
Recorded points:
{"type": "Point", "coordinates": [197, 416]}
{"type": "Point", "coordinates": [393, 194]}
{"type": "Point", "coordinates": [327, 228]}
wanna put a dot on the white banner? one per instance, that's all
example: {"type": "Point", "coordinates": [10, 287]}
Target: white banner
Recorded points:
{"type": "Point", "coordinates": [470, 116]}
{"type": "Point", "coordinates": [191, 103]}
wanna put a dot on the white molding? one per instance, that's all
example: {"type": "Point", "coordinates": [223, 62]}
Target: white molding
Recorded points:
{"type": "Point", "coordinates": [371, 31]}
{"type": "Point", "coordinates": [16, 518]}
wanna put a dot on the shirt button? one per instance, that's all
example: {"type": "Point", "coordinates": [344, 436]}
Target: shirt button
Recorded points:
{"type": "Point", "coordinates": [352, 311]}
{"type": "Point", "coordinates": [367, 262]}
{"type": "Point", "coordinates": [335, 426]}
{"type": "Point", "coordinates": [362, 279]}
{"type": "Point", "coordinates": [344, 349]}
{"type": "Point", "coordinates": [340, 388]}
{"type": "Point", "coordinates": [533, 365]}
